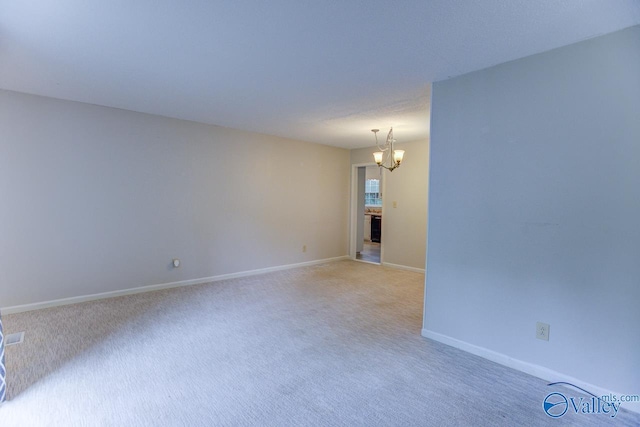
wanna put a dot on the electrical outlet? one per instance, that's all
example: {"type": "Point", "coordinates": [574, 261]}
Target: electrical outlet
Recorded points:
{"type": "Point", "coordinates": [542, 331]}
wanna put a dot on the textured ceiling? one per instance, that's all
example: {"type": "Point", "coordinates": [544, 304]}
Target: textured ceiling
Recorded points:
{"type": "Point", "coordinates": [320, 71]}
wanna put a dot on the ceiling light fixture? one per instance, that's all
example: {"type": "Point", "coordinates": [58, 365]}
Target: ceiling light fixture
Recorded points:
{"type": "Point", "coordinates": [387, 154]}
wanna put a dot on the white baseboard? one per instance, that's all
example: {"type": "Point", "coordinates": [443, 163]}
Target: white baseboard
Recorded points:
{"type": "Point", "coordinates": [149, 288]}
{"type": "Point", "coordinates": [403, 267]}
{"type": "Point", "coordinates": [528, 368]}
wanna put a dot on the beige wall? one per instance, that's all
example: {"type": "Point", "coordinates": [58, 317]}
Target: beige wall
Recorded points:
{"type": "Point", "coordinates": [98, 199]}
{"type": "Point", "coordinates": [404, 228]}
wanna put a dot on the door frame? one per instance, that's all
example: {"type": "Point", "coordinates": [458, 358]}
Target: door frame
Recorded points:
{"type": "Point", "coordinates": [353, 210]}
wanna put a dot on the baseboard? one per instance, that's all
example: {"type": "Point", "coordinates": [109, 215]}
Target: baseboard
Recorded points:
{"type": "Point", "coordinates": [403, 267]}
{"type": "Point", "coordinates": [149, 288]}
{"type": "Point", "coordinates": [528, 368]}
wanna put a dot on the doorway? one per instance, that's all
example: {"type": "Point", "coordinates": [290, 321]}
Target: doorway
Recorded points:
{"type": "Point", "coordinates": [366, 213]}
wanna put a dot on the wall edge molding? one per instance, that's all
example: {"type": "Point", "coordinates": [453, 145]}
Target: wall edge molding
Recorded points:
{"type": "Point", "coordinates": [404, 267]}
{"type": "Point", "coordinates": [526, 367]}
{"type": "Point", "coordinates": [149, 288]}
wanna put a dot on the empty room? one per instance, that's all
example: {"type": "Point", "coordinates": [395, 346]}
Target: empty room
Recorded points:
{"type": "Point", "coordinates": [419, 213]}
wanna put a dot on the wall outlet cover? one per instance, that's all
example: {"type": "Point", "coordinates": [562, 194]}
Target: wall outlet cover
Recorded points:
{"type": "Point", "coordinates": [542, 331]}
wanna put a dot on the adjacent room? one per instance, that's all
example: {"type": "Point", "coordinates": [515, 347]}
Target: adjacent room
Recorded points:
{"type": "Point", "coordinates": [332, 213]}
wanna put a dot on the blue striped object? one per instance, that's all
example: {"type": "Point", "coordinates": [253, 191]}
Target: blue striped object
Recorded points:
{"type": "Point", "coordinates": [3, 371]}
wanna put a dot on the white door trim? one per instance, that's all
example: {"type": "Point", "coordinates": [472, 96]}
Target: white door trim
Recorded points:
{"type": "Point", "coordinates": [353, 221]}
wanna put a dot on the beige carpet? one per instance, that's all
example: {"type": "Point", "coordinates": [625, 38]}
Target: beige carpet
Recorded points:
{"type": "Point", "coordinates": [336, 344]}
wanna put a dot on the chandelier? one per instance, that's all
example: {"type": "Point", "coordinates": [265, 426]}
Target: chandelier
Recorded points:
{"type": "Point", "coordinates": [387, 157]}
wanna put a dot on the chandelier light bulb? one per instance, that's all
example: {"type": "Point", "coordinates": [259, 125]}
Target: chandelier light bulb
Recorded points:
{"type": "Point", "coordinates": [377, 156]}
{"type": "Point", "coordinates": [397, 156]}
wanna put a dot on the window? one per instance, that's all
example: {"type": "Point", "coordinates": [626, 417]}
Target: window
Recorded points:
{"type": "Point", "coordinates": [372, 193]}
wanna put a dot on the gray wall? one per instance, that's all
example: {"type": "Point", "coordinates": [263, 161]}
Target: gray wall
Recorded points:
{"type": "Point", "coordinates": [98, 199]}
{"type": "Point", "coordinates": [534, 210]}
{"type": "Point", "coordinates": [403, 227]}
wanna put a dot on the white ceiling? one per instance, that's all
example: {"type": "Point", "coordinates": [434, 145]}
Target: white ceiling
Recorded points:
{"type": "Point", "coordinates": [323, 71]}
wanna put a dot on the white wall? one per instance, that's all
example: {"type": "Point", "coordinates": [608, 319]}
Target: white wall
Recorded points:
{"type": "Point", "coordinates": [534, 210]}
{"type": "Point", "coordinates": [373, 172]}
{"type": "Point", "coordinates": [403, 227]}
{"type": "Point", "coordinates": [98, 199]}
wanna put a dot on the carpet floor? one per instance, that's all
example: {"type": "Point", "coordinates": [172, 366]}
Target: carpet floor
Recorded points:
{"type": "Point", "coordinates": [336, 344]}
